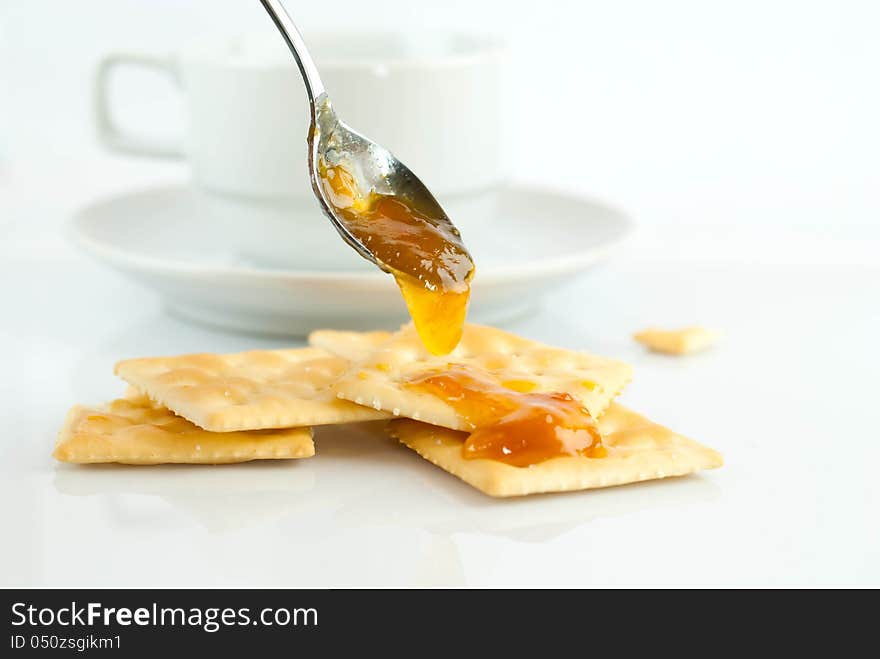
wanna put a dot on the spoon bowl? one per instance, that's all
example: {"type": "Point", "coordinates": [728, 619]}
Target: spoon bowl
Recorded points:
{"type": "Point", "coordinates": [375, 169]}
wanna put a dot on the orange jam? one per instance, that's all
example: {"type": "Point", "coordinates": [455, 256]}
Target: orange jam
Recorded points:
{"type": "Point", "coordinates": [513, 427]}
{"type": "Point", "coordinates": [426, 256]}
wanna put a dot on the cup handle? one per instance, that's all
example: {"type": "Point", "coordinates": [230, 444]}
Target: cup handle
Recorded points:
{"type": "Point", "coordinates": [109, 133]}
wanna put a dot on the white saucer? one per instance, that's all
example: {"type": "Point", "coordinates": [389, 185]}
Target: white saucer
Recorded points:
{"type": "Point", "coordinates": [539, 241]}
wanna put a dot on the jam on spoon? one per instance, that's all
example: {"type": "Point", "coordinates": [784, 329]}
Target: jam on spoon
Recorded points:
{"type": "Point", "coordinates": [382, 210]}
{"type": "Point", "coordinates": [425, 256]}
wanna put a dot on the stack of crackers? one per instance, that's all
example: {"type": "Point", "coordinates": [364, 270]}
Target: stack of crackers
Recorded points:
{"type": "Point", "coordinates": [214, 409]}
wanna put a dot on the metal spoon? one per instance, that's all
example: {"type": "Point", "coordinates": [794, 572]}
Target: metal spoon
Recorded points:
{"type": "Point", "coordinates": [333, 143]}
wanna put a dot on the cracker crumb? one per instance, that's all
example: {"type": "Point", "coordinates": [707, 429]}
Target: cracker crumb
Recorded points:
{"type": "Point", "coordinates": [682, 341]}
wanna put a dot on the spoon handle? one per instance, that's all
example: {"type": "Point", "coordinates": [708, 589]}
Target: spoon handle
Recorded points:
{"type": "Point", "coordinates": [285, 25]}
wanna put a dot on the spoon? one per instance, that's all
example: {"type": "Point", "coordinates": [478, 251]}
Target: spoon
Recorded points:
{"type": "Point", "coordinates": [422, 242]}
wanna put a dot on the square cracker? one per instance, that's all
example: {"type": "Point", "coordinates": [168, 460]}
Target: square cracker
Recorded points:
{"type": "Point", "coordinates": [638, 450]}
{"type": "Point", "coordinates": [248, 390]}
{"type": "Point", "coordinates": [134, 430]}
{"type": "Point", "coordinates": [380, 380]}
{"type": "Point", "coordinates": [353, 346]}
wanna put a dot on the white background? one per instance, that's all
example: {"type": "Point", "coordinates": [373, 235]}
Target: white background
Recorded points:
{"type": "Point", "coordinates": [710, 112]}
{"type": "Point", "coordinates": [743, 138]}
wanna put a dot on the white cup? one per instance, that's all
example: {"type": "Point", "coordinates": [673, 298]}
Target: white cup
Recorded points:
{"type": "Point", "coordinates": [434, 100]}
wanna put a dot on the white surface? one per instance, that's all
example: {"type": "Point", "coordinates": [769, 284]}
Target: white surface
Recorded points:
{"type": "Point", "coordinates": [788, 397]}
{"type": "Point", "coordinates": [166, 239]}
